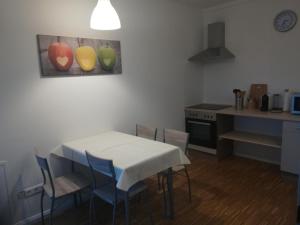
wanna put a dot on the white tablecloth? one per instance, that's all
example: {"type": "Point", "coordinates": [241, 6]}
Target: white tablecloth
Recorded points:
{"type": "Point", "coordinates": [134, 158]}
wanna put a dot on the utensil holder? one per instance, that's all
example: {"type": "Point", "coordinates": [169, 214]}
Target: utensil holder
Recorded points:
{"type": "Point", "coordinates": [239, 102]}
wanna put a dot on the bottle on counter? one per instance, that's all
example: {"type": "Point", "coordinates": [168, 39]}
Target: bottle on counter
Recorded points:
{"type": "Point", "coordinates": [264, 103]}
{"type": "Point", "coordinates": [286, 100]}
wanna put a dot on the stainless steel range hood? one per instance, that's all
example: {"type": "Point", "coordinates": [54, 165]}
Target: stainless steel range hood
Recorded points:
{"type": "Point", "coordinates": [216, 45]}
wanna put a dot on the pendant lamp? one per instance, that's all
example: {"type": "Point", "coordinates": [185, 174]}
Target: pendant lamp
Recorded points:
{"type": "Point", "coordinates": [104, 17]}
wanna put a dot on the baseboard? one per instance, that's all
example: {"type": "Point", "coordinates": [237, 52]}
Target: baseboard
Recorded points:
{"type": "Point", "coordinates": [60, 208]}
{"type": "Point", "coordinates": [37, 217]}
{"type": "Point", "coordinates": [33, 219]}
{"type": "Point", "coordinates": [203, 149]}
{"type": "Point", "coordinates": [256, 158]}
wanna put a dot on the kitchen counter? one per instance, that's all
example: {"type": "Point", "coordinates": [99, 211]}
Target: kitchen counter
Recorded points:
{"type": "Point", "coordinates": [284, 116]}
{"type": "Point", "coordinates": [286, 141]}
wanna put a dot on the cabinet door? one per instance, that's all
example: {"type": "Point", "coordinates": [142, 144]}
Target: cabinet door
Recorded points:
{"type": "Point", "coordinates": [290, 153]}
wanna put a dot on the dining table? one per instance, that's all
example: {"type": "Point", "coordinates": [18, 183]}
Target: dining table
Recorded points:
{"type": "Point", "coordinates": [134, 158]}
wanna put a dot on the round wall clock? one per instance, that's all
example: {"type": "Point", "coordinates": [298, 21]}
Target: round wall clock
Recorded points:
{"type": "Point", "coordinates": [285, 21]}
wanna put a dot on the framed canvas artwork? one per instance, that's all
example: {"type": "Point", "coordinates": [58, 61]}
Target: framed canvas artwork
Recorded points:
{"type": "Point", "coordinates": [68, 56]}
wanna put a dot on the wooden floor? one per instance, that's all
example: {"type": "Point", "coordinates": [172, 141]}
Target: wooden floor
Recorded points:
{"type": "Point", "coordinates": [234, 191]}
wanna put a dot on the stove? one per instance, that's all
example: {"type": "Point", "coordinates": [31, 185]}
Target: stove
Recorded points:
{"type": "Point", "coordinates": [204, 111]}
{"type": "Point", "coordinates": [200, 123]}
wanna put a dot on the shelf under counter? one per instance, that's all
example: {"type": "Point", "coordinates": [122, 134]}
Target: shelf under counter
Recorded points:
{"type": "Point", "coordinates": [253, 138]}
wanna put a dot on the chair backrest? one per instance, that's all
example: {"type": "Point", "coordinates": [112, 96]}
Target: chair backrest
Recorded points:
{"type": "Point", "coordinates": [177, 138]}
{"type": "Point", "coordinates": [146, 132]}
{"type": "Point", "coordinates": [102, 166]}
{"type": "Point", "coordinates": [42, 162]}
{"type": "Point", "coordinates": [44, 166]}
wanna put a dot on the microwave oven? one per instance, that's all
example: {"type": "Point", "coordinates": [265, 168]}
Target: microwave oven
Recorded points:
{"type": "Point", "coordinates": [295, 103]}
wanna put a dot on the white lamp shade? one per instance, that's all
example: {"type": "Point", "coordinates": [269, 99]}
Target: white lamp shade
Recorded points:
{"type": "Point", "coordinates": [105, 17]}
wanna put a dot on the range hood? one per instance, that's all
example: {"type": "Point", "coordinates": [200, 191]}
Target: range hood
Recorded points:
{"type": "Point", "coordinates": [216, 45]}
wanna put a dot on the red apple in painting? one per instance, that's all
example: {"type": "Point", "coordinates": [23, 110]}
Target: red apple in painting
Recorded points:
{"type": "Point", "coordinates": [60, 55]}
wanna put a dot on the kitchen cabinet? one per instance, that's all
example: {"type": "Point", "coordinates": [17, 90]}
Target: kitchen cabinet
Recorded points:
{"type": "Point", "coordinates": [290, 153]}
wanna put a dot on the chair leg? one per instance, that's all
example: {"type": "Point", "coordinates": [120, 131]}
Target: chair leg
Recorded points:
{"type": "Point", "coordinates": [72, 166]}
{"type": "Point", "coordinates": [127, 214]}
{"type": "Point", "coordinates": [75, 200]}
{"type": "Point", "coordinates": [158, 181]}
{"type": "Point", "coordinates": [80, 198]}
{"type": "Point", "coordinates": [92, 208]}
{"type": "Point", "coordinates": [51, 210]}
{"type": "Point", "coordinates": [114, 213]}
{"type": "Point", "coordinates": [164, 193]}
{"type": "Point", "coordinates": [189, 183]}
{"type": "Point", "coordinates": [42, 207]}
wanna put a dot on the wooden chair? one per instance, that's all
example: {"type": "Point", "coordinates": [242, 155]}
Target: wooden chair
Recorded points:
{"type": "Point", "coordinates": [107, 189]}
{"type": "Point", "coordinates": [149, 133]}
{"type": "Point", "coordinates": [180, 139]}
{"type": "Point", "coordinates": [58, 187]}
{"type": "Point", "coordinates": [146, 132]}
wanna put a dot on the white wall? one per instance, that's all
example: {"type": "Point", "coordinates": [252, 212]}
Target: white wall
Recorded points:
{"type": "Point", "coordinates": [156, 39]}
{"type": "Point", "coordinates": [263, 55]}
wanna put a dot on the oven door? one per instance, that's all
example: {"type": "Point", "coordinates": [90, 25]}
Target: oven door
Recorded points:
{"type": "Point", "coordinates": [202, 132]}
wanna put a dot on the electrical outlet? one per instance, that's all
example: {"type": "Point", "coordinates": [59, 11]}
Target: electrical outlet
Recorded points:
{"type": "Point", "coordinates": [30, 191]}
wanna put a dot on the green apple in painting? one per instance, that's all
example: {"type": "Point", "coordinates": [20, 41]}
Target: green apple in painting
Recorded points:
{"type": "Point", "coordinates": [60, 55]}
{"type": "Point", "coordinates": [107, 58]}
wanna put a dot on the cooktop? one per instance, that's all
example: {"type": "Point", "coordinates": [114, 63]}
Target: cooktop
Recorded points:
{"type": "Point", "coordinates": [209, 106]}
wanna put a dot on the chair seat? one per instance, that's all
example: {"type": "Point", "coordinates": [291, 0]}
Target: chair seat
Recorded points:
{"type": "Point", "coordinates": [66, 185]}
{"type": "Point", "coordinates": [106, 193]}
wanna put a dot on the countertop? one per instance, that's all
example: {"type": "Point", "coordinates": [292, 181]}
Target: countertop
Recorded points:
{"type": "Point", "coordinates": [284, 116]}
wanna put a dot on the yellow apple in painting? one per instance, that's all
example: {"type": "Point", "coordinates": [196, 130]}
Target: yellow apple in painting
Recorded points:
{"type": "Point", "coordinates": [86, 58]}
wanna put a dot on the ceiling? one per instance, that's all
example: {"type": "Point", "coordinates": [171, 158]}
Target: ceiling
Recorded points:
{"type": "Point", "coordinates": [206, 3]}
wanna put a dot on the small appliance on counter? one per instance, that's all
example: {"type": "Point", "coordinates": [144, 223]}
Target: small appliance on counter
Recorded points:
{"type": "Point", "coordinates": [277, 103]}
{"type": "Point", "coordinates": [295, 103]}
